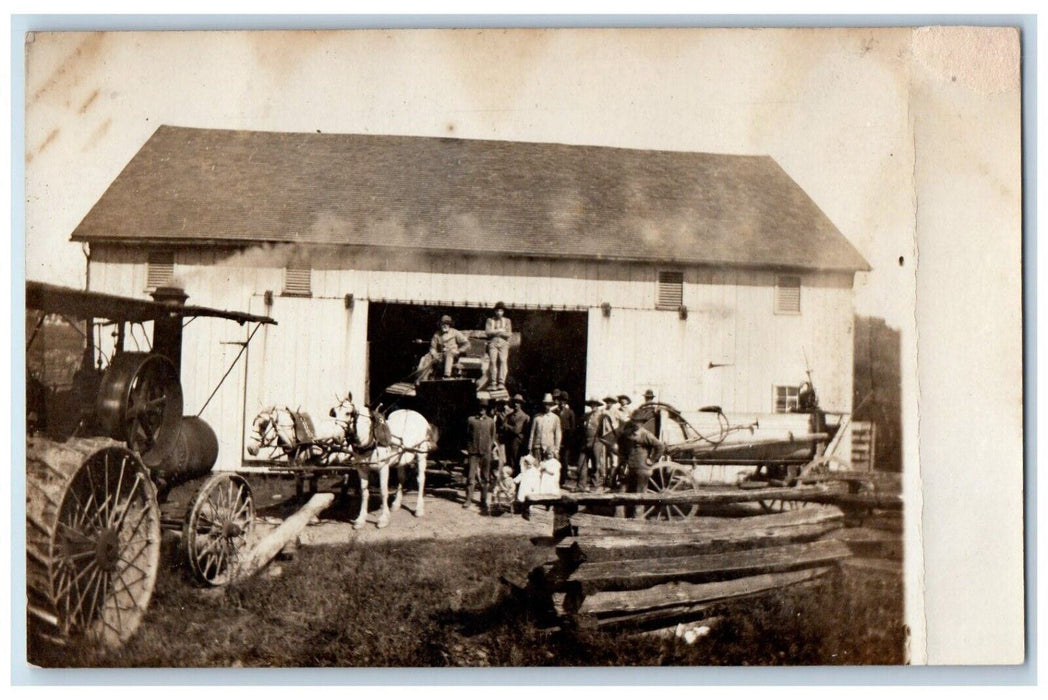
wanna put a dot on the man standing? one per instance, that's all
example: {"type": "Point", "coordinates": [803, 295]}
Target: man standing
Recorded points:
{"type": "Point", "coordinates": [624, 408]}
{"type": "Point", "coordinates": [593, 451]}
{"type": "Point", "coordinates": [498, 329]}
{"type": "Point", "coordinates": [640, 449]}
{"type": "Point", "coordinates": [480, 440]}
{"type": "Point", "coordinates": [445, 346]}
{"type": "Point", "coordinates": [545, 430]}
{"type": "Point", "coordinates": [567, 432]}
{"type": "Point", "coordinates": [607, 435]}
{"type": "Point", "coordinates": [516, 433]}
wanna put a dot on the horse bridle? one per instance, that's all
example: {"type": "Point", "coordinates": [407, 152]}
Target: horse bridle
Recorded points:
{"type": "Point", "coordinates": [353, 437]}
{"type": "Point", "coordinates": [271, 429]}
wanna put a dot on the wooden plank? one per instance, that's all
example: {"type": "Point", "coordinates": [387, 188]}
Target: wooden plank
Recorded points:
{"type": "Point", "coordinates": [677, 593]}
{"type": "Point", "coordinates": [643, 545]}
{"type": "Point", "coordinates": [642, 573]}
{"type": "Point", "coordinates": [590, 524]}
{"type": "Point", "coordinates": [680, 613]}
{"type": "Point", "coordinates": [698, 496]}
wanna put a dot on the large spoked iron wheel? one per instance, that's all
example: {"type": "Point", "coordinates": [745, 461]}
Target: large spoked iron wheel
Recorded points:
{"type": "Point", "coordinates": [92, 541]}
{"type": "Point", "coordinates": [140, 402]}
{"type": "Point", "coordinates": [218, 529]}
{"type": "Point", "coordinates": [669, 479]}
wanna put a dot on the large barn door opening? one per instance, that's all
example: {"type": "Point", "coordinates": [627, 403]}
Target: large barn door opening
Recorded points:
{"type": "Point", "coordinates": [552, 352]}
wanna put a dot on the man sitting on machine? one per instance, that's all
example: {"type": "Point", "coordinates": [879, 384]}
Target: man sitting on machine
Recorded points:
{"type": "Point", "coordinates": [445, 347]}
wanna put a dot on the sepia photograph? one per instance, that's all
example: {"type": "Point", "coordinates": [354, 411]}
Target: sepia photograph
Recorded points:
{"type": "Point", "coordinates": [497, 347]}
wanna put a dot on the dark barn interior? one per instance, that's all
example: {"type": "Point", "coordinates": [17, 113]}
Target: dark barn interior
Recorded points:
{"type": "Point", "coordinates": [552, 352]}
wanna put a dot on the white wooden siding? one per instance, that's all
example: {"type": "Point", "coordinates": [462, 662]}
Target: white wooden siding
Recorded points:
{"type": "Point", "coordinates": [320, 346]}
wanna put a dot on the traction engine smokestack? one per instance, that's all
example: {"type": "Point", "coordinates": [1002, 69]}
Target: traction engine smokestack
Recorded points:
{"type": "Point", "coordinates": [167, 332]}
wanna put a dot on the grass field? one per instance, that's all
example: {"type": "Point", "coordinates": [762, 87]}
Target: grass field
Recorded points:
{"type": "Point", "coordinates": [440, 603]}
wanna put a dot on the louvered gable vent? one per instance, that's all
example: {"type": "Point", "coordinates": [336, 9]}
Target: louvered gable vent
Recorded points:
{"type": "Point", "coordinates": [670, 293]}
{"type": "Point", "coordinates": [298, 280]}
{"type": "Point", "coordinates": [788, 294]}
{"type": "Point", "coordinates": [160, 270]}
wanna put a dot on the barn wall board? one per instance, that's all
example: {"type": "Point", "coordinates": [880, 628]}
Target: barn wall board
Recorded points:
{"type": "Point", "coordinates": [731, 350]}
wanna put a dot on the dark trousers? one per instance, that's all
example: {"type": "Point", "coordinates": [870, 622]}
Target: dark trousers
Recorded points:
{"type": "Point", "coordinates": [514, 452]}
{"type": "Point", "coordinates": [592, 465]}
{"type": "Point", "coordinates": [636, 482]}
{"type": "Point", "coordinates": [479, 469]}
{"type": "Point", "coordinates": [566, 457]}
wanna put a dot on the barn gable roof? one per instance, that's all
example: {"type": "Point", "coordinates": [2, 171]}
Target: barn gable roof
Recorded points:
{"type": "Point", "coordinates": [192, 186]}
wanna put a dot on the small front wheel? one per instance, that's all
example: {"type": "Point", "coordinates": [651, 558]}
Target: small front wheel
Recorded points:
{"type": "Point", "coordinates": [218, 529]}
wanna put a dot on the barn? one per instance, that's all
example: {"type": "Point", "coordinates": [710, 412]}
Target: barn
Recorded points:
{"type": "Point", "coordinates": [708, 278]}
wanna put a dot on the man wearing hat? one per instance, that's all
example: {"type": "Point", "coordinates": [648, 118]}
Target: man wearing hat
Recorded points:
{"type": "Point", "coordinates": [446, 345]}
{"type": "Point", "coordinates": [568, 433]}
{"type": "Point", "coordinates": [498, 329]}
{"type": "Point", "coordinates": [480, 442]}
{"type": "Point", "coordinates": [623, 409]}
{"type": "Point", "coordinates": [593, 450]}
{"type": "Point", "coordinates": [515, 428]}
{"type": "Point", "coordinates": [639, 449]}
{"type": "Point", "coordinates": [649, 396]}
{"type": "Point", "coordinates": [545, 430]}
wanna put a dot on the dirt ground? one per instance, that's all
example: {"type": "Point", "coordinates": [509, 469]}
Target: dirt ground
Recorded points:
{"type": "Point", "coordinates": [444, 518]}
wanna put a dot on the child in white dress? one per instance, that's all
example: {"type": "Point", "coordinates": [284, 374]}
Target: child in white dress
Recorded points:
{"type": "Point", "coordinates": [549, 467]}
{"type": "Point", "coordinates": [528, 479]}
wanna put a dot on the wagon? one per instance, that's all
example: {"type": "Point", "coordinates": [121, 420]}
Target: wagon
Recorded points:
{"type": "Point", "coordinates": [787, 460]}
{"type": "Point", "coordinates": [103, 450]}
{"type": "Point", "coordinates": [447, 403]}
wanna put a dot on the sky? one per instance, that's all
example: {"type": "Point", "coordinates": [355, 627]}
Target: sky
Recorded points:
{"type": "Point", "coordinates": [831, 106]}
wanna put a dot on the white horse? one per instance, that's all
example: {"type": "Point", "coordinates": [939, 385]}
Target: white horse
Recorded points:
{"type": "Point", "coordinates": [381, 443]}
{"type": "Point", "coordinates": [299, 436]}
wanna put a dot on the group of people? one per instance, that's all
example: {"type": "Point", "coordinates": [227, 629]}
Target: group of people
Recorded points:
{"type": "Point", "coordinates": [535, 451]}
{"type": "Point", "coordinates": [448, 343]}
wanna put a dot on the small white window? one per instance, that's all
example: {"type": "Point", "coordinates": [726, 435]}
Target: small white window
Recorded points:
{"type": "Point", "coordinates": [787, 398]}
{"type": "Point", "coordinates": [160, 269]}
{"type": "Point", "coordinates": [670, 292]}
{"type": "Point", "coordinates": [787, 294]}
{"type": "Point", "coordinates": [298, 278]}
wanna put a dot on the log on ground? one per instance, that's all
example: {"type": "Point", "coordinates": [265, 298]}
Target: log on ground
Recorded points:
{"type": "Point", "coordinates": [271, 545]}
{"type": "Point", "coordinates": [634, 574]}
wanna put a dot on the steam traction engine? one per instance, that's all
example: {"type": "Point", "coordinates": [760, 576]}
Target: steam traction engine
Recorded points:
{"type": "Point", "coordinates": [102, 451]}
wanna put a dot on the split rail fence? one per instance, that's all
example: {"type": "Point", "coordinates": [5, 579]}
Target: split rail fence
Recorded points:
{"type": "Point", "coordinates": [612, 572]}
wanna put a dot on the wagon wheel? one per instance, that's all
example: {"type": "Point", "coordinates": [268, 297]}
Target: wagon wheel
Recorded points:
{"type": "Point", "coordinates": [787, 474]}
{"type": "Point", "coordinates": [218, 528]}
{"type": "Point", "coordinates": [668, 478]}
{"type": "Point", "coordinates": [777, 505]}
{"type": "Point", "coordinates": [140, 402]}
{"type": "Point", "coordinates": [92, 541]}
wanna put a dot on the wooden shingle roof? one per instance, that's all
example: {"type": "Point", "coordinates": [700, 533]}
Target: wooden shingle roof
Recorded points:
{"type": "Point", "coordinates": [190, 185]}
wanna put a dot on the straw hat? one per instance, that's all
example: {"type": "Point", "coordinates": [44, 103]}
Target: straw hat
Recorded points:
{"type": "Point", "coordinates": [548, 399]}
